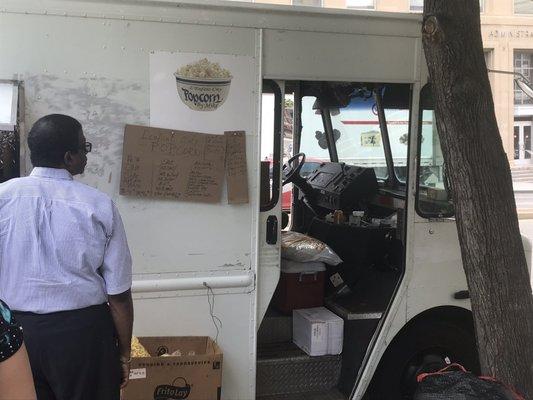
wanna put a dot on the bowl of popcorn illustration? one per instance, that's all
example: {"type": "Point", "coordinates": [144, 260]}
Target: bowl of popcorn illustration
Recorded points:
{"type": "Point", "coordinates": [203, 85]}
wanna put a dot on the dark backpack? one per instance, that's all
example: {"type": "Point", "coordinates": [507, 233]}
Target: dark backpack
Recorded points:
{"type": "Point", "coordinates": [458, 384]}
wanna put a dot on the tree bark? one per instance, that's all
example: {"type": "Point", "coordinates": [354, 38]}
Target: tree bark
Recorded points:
{"type": "Point", "coordinates": [481, 185]}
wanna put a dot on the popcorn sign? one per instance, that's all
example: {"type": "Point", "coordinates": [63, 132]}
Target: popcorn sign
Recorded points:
{"type": "Point", "coordinates": [203, 85]}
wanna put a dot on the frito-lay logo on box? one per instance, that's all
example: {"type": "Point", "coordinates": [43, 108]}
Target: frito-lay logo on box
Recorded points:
{"type": "Point", "coordinates": [173, 392]}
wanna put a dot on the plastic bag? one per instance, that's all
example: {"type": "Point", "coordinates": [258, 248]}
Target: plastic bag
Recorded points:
{"type": "Point", "coordinates": [302, 248]}
{"type": "Point", "coordinates": [461, 385]}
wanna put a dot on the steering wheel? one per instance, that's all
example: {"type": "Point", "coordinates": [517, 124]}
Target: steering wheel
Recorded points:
{"type": "Point", "coordinates": [291, 169]}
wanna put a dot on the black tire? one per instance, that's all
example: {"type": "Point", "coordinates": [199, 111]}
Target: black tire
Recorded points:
{"type": "Point", "coordinates": [422, 347]}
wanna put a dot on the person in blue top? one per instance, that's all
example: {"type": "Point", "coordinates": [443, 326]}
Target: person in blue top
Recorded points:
{"type": "Point", "coordinates": [16, 381]}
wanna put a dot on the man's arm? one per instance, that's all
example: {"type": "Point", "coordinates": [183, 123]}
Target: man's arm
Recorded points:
{"type": "Point", "coordinates": [121, 306]}
{"type": "Point", "coordinates": [117, 274]}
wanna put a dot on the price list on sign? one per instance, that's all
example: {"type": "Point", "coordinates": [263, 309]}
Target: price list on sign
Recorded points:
{"type": "Point", "coordinates": [171, 164]}
{"type": "Point", "coordinates": [236, 168]}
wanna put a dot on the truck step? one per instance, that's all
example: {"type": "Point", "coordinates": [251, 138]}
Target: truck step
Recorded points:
{"type": "Point", "coordinates": [275, 328]}
{"type": "Point", "coordinates": [284, 369]}
{"type": "Point", "coordinates": [327, 395]}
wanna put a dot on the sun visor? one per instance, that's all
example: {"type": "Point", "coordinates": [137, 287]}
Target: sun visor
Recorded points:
{"type": "Point", "coordinates": [397, 96]}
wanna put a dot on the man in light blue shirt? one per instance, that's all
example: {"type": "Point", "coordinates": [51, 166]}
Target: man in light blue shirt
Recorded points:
{"type": "Point", "coordinates": [65, 269]}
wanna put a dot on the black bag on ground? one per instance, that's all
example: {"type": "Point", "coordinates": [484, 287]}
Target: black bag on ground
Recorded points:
{"type": "Point", "coordinates": [448, 384]}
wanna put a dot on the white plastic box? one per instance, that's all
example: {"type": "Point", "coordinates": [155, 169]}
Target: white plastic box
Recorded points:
{"type": "Point", "coordinates": [317, 331]}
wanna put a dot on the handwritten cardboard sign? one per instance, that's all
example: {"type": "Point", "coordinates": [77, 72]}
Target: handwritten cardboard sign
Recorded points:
{"type": "Point", "coordinates": [172, 164]}
{"type": "Point", "coordinates": [236, 170]}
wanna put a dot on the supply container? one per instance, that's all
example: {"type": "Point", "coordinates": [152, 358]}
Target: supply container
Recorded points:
{"type": "Point", "coordinates": [301, 285]}
{"type": "Point", "coordinates": [317, 331]}
{"type": "Point", "coordinates": [178, 368]}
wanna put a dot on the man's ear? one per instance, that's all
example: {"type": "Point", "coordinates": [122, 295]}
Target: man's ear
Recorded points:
{"type": "Point", "coordinates": [68, 159]}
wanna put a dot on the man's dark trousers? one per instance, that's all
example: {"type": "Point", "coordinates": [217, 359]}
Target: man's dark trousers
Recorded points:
{"type": "Point", "coordinates": [73, 354]}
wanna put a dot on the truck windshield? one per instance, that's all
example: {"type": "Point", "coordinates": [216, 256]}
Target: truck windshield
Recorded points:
{"type": "Point", "coordinates": [313, 138]}
{"type": "Point", "coordinates": [360, 141]}
{"type": "Point", "coordinates": [357, 135]}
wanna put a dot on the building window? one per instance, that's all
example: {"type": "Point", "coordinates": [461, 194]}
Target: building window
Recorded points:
{"type": "Point", "coordinates": [313, 3]}
{"type": "Point", "coordinates": [523, 7]}
{"type": "Point", "coordinates": [418, 5]}
{"type": "Point", "coordinates": [488, 58]}
{"type": "Point", "coordinates": [523, 64]}
{"type": "Point", "coordinates": [489, 53]}
{"type": "Point", "coordinates": [8, 106]}
{"type": "Point", "coordinates": [9, 131]}
{"type": "Point", "coordinates": [361, 4]}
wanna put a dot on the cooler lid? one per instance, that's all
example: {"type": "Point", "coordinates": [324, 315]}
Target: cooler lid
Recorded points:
{"type": "Point", "coordinates": [294, 267]}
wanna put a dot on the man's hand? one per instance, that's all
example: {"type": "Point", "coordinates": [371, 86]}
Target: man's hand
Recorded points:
{"type": "Point", "coordinates": [125, 370]}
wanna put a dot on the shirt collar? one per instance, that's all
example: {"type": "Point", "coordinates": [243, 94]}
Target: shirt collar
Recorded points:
{"type": "Point", "coordinates": [54, 173]}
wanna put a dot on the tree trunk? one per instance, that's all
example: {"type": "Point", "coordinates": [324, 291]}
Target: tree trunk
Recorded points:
{"type": "Point", "coordinates": [481, 185]}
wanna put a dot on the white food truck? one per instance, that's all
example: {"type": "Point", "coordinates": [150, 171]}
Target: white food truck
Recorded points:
{"type": "Point", "coordinates": [362, 104]}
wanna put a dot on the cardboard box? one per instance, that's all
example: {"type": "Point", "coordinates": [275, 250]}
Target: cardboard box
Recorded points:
{"type": "Point", "coordinates": [317, 331]}
{"type": "Point", "coordinates": [196, 374]}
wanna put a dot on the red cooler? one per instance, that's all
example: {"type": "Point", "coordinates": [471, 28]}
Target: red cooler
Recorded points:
{"type": "Point", "coordinates": [301, 285]}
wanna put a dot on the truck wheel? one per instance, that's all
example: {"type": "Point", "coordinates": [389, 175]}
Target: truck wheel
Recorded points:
{"type": "Point", "coordinates": [424, 347]}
